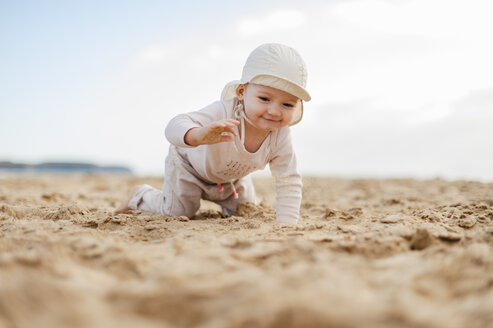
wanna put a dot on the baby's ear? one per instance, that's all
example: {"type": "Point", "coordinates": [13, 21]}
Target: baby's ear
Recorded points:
{"type": "Point", "coordinates": [240, 91]}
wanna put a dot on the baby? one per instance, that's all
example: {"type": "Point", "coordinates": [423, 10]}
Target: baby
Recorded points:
{"type": "Point", "coordinates": [214, 149]}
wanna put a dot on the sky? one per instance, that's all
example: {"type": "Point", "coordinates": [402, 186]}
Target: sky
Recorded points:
{"type": "Point", "coordinates": [400, 88]}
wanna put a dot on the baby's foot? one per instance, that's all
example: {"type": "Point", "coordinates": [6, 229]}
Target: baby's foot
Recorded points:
{"type": "Point", "coordinates": [124, 206]}
{"type": "Point", "coordinates": [227, 213]}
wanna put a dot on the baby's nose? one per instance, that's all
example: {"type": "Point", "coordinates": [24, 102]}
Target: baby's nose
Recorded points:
{"type": "Point", "coordinates": [274, 110]}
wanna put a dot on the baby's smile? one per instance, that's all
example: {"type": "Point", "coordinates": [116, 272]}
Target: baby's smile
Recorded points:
{"type": "Point", "coordinates": [272, 119]}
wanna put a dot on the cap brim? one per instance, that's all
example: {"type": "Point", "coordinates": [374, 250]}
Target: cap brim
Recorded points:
{"type": "Point", "coordinates": [282, 84]}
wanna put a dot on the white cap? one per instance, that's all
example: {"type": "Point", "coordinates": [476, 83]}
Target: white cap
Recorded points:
{"type": "Point", "coordinates": [277, 66]}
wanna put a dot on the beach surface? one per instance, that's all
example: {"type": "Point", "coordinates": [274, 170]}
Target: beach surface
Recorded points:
{"type": "Point", "coordinates": [366, 253]}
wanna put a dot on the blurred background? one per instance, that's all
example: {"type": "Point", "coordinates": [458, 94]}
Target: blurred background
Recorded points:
{"type": "Point", "coordinates": [399, 88]}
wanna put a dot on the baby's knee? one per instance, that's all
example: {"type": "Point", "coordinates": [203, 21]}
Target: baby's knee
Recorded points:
{"type": "Point", "coordinates": [183, 209]}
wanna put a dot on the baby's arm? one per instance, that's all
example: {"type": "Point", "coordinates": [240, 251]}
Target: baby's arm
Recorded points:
{"type": "Point", "coordinates": [288, 182]}
{"type": "Point", "coordinates": [215, 132]}
{"type": "Point", "coordinates": [201, 127]}
{"type": "Point", "coordinates": [288, 198]}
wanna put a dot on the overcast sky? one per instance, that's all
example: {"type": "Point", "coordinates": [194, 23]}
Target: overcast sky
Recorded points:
{"type": "Point", "coordinates": [399, 88]}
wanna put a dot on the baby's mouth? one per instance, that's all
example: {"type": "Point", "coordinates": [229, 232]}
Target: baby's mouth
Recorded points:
{"type": "Point", "coordinates": [271, 120]}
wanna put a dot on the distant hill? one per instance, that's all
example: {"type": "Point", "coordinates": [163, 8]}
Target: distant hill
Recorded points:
{"type": "Point", "coordinates": [53, 167]}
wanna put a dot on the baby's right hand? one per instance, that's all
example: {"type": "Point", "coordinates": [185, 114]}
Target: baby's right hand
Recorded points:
{"type": "Point", "coordinates": [212, 133]}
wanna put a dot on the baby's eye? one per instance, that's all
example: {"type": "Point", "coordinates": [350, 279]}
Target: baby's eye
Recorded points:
{"type": "Point", "coordinates": [263, 98]}
{"type": "Point", "coordinates": [288, 105]}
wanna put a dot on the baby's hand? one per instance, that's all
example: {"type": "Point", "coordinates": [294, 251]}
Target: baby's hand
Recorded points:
{"type": "Point", "coordinates": [219, 131]}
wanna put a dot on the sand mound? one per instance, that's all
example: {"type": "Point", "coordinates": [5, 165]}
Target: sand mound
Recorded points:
{"type": "Point", "coordinates": [367, 253]}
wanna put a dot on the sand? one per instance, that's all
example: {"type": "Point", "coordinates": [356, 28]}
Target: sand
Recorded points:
{"type": "Point", "coordinates": [367, 253]}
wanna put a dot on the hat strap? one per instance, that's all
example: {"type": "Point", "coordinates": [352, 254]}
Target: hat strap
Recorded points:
{"type": "Point", "coordinates": [239, 114]}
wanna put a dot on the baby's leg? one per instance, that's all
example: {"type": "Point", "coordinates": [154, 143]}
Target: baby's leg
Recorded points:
{"type": "Point", "coordinates": [143, 197]}
{"type": "Point", "coordinates": [124, 206]}
{"type": "Point", "coordinates": [180, 195]}
{"type": "Point", "coordinates": [147, 198]}
{"type": "Point", "coordinates": [180, 199]}
{"type": "Point", "coordinates": [246, 194]}
{"type": "Point", "coordinates": [183, 197]}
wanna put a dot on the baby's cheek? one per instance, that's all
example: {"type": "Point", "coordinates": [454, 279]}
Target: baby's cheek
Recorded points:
{"type": "Point", "coordinates": [288, 116]}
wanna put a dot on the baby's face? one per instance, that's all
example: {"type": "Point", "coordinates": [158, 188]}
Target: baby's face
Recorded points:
{"type": "Point", "coordinates": [268, 108]}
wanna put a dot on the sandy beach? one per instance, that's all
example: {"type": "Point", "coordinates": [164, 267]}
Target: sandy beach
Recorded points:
{"type": "Point", "coordinates": [366, 253]}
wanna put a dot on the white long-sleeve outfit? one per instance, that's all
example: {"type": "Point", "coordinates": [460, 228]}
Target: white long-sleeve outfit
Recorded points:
{"type": "Point", "coordinates": [192, 173]}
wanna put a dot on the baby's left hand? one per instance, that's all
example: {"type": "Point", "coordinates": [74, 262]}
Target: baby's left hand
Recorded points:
{"type": "Point", "coordinates": [219, 131]}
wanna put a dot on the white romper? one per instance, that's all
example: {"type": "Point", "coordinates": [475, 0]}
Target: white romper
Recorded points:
{"type": "Point", "coordinates": [192, 173]}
